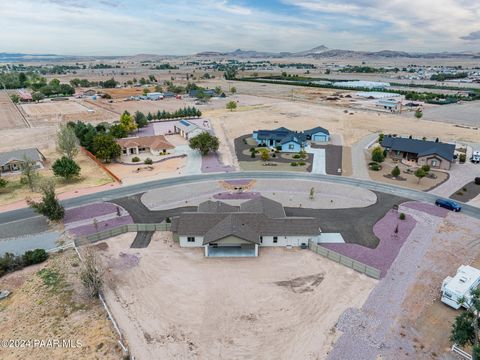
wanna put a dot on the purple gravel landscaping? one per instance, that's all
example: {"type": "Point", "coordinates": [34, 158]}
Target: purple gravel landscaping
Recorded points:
{"type": "Point", "coordinates": [211, 163]}
{"type": "Point", "coordinates": [237, 196]}
{"type": "Point", "coordinates": [390, 243]}
{"type": "Point", "coordinates": [427, 208]}
{"type": "Point", "coordinates": [146, 131]}
{"type": "Point", "coordinates": [86, 230]}
{"type": "Point", "coordinates": [89, 212]}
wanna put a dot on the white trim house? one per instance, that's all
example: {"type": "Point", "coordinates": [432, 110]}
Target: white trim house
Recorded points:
{"type": "Point", "coordinates": [230, 231]}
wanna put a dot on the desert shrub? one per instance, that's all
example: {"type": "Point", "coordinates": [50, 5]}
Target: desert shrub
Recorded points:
{"type": "Point", "coordinates": [296, 156]}
{"type": "Point", "coordinates": [372, 163]}
{"type": "Point", "coordinates": [274, 155]}
{"type": "Point", "coordinates": [460, 193]}
{"type": "Point", "coordinates": [402, 216]}
{"type": "Point", "coordinates": [252, 154]}
{"type": "Point", "coordinates": [135, 159]}
{"type": "Point", "coordinates": [375, 167]}
{"type": "Point", "coordinates": [462, 158]}
{"type": "Point", "coordinates": [9, 263]}
{"type": "Point", "coordinates": [278, 148]}
{"type": "Point", "coordinates": [168, 220]}
{"type": "Point", "coordinates": [91, 275]}
{"type": "Point", "coordinates": [395, 171]}
{"type": "Point", "coordinates": [148, 161]}
{"type": "Point", "coordinates": [293, 164]}
{"type": "Point", "coordinates": [301, 163]}
{"type": "Point", "coordinates": [378, 154]}
{"type": "Point", "coordinates": [464, 189]}
{"type": "Point", "coordinates": [426, 168]}
{"type": "Point", "coordinates": [36, 256]}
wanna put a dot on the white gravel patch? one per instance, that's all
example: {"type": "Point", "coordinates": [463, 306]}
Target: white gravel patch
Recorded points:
{"type": "Point", "coordinates": [289, 193]}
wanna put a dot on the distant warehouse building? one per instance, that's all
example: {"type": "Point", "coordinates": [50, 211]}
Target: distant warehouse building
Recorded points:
{"type": "Point", "coordinates": [362, 84]}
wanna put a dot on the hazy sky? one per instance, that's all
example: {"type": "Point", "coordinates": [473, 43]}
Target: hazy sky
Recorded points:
{"type": "Point", "coordinates": [123, 27]}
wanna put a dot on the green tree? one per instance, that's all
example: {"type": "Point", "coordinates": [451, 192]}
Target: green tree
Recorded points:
{"type": "Point", "coordinates": [420, 173]}
{"type": "Point", "coordinates": [38, 96]}
{"type": "Point", "coordinates": [140, 119]}
{"type": "Point", "coordinates": [67, 141]}
{"type": "Point", "coordinates": [30, 175]}
{"type": "Point", "coordinates": [465, 329]}
{"type": "Point", "coordinates": [118, 131]}
{"type": "Point", "coordinates": [395, 171]}
{"type": "Point", "coordinates": [231, 105]}
{"type": "Point", "coordinates": [145, 91]}
{"type": "Point", "coordinates": [66, 168]}
{"type": "Point", "coordinates": [377, 154]}
{"type": "Point", "coordinates": [15, 98]}
{"type": "Point", "coordinates": [128, 122]}
{"type": "Point", "coordinates": [106, 148]}
{"type": "Point", "coordinates": [3, 183]}
{"type": "Point", "coordinates": [204, 142]}
{"type": "Point", "coordinates": [426, 168]}
{"type": "Point", "coordinates": [418, 113]}
{"type": "Point", "coordinates": [49, 206]}
{"type": "Point", "coordinates": [233, 89]}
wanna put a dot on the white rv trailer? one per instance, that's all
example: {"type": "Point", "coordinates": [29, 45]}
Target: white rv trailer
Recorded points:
{"type": "Point", "coordinates": [465, 280]}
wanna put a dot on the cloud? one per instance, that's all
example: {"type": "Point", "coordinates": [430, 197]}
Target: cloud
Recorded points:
{"type": "Point", "coordinates": [475, 35]}
{"type": "Point", "coordinates": [123, 27]}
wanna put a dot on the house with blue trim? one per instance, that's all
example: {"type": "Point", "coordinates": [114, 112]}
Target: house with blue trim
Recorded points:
{"type": "Point", "coordinates": [289, 140]}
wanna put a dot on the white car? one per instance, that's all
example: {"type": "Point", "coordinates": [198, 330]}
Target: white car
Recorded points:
{"type": "Point", "coordinates": [475, 157]}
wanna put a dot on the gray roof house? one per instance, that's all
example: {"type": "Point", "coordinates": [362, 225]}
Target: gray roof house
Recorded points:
{"type": "Point", "coordinates": [424, 152]}
{"type": "Point", "coordinates": [230, 231]}
{"type": "Point", "coordinates": [285, 137]}
{"type": "Point", "coordinates": [12, 161]}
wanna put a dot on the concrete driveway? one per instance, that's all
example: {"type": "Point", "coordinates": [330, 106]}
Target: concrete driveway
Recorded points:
{"type": "Point", "coordinates": [194, 160]}
{"type": "Point", "coordinates": [460, 175]}
{"type": "Point", "coordinates": [318, 165]}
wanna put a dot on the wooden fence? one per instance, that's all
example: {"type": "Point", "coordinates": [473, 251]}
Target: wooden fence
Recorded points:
{"type": "Point", "coordinates": [164, 226]}
{"type": "Point", "coordinates": [345, 260]}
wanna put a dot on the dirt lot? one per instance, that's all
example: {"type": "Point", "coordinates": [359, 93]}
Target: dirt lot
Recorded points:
{"type": "Point", "coordinates": [130, 174]}
{"type": "Point", "coordinates": [352, 125]}
{"type": "Point", "coordinates": [90, 176]}
{"type": "Point", "coordinates": [171, 302]}
{"type": "Point", "coordinates": [10, 117]}
{"type": "Point", "coordinates": [60, 310]}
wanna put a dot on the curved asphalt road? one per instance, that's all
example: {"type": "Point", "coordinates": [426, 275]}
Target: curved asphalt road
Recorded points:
{"type": "Point", "coordinates": [130, 190]}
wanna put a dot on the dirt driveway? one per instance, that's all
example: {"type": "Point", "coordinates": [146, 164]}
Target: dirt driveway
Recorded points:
{"type": "Point", "coordinates": [173, 303]}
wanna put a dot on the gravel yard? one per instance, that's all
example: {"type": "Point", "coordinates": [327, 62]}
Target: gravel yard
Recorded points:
{"type": "Point", "coordinates": [403, 317]}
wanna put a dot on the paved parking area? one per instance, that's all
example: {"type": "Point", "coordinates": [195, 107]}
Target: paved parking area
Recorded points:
{"type": "Point", "coordinates": [318, 165]}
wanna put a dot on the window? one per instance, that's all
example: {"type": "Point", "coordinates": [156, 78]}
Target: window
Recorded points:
{"type": "Point", "coordinates": [434, 163]}
{"type": "Point", "coordinates": [191, 239]}
{"type": "Point", "coordinates": [275, 239]}
{"type": "Point", "coordinates": [291, 147]}
{"type": "Point", "coordinates": [261, 239]}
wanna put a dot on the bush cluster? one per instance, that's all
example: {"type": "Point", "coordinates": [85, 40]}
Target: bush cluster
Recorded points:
{"type": "Point", "coordinates": [10, 262]}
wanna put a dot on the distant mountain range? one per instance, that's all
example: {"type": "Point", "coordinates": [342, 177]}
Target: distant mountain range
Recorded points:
{"type": "Point", "coordinates": [319, 52]}
{"type": "Point", "coordinates": [323, 52]}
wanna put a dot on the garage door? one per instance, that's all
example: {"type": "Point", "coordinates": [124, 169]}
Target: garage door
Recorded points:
{"type": "Point", "coordinates": [320, 138]}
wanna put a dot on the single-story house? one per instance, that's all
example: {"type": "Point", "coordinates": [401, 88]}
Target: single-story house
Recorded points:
{"type": "Point", "coordinates": [148, 144]}
{"type": "Point", "coordinates": [168, 94]}
{"type": "Point", "coordinates": [187, 129]}
{"type": "Point", "coordinates": [230, 231]}
{"type": "Point", "coordinates": [392, 105]}
{"type": "Point", "coordinates": [13, 161]}
{"type": "Point", "coordinates": [288, 140]}
{"type": "Point", "coordinates": [435, 154]}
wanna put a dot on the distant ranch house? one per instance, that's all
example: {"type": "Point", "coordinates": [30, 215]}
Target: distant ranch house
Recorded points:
{"type": "Point", "coordinates": [435, 154]}
{"type": "Point", "coordinates": [13, 161]}
{"type": "Point", "coordinates": [154, 145]}
{"type": "Point", "coordinates": [224, 230]}
{"type": "Point", "coordinates": [25, 96]}
{"type": "Point", "coordinates": [291, 141]}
